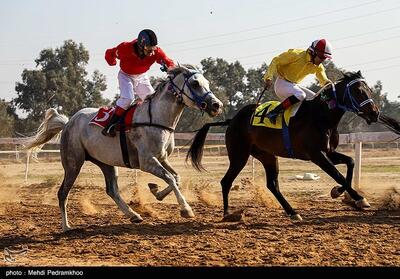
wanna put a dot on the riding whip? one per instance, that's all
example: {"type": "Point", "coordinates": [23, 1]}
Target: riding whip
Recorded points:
{"type": "Point", "coordinates": [259, 98]}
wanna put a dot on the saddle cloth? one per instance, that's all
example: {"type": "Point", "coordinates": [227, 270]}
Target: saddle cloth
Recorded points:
{"type": "Point", "coordinates": [104, 115]}
{"type": "Point", "coordinates": [260, 119]}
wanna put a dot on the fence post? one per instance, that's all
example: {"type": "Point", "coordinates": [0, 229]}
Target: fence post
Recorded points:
{"type": "Point", "coordinates": [136, 175]}
{"type": "Point", "coordinates": [253, 169]}
{"type": "Point", "coordinates": [357, 166]}
{"type": "Point", "coordinates": [16, 153]}
{"type": "Point", "coordinates": [28, 155]}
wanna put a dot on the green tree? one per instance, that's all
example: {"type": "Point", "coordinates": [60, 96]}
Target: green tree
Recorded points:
{"type": "Point", "coordinates": [255, 85]}
{"type": "Point", "coordinates": [59, 81]}
{"type": "Point", "coordinates": [6, 119]}
{"type": "Point", "coordinates": [227, 81]}
{"type": "Point", "coordinates": [391, 109]}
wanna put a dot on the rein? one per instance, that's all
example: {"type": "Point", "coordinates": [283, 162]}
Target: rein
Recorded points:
{"type": "Point", "coordinates": [348, 98]}
{"type": "Point", "coordinates": [151, 124]}
{"type": "Point", "coordinates": [198, 100]}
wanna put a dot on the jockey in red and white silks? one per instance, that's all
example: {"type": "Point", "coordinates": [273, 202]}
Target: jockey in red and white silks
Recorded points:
{"type": "Point", "coordinates": [136, 58]}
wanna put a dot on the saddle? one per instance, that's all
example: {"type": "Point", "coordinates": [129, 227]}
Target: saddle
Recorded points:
{"type": "Point", "coordinates": [259, 118]}
{"type": "Point", "coordinates": [104, 115]}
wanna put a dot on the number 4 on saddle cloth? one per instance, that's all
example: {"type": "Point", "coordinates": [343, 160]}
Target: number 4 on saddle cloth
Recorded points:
{"type": "Point", "coordinates": [260, 115]}
{"type": "Point", "coordinates": [104, 115]}
{"type": "Point", "coordinates": [282, 121]}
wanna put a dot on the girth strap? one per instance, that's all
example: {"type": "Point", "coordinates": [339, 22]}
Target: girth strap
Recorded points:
{"type": "Point", "coordinates": [124, 146]}
{"type": "Point", "coordinates": [122, 139]}
{"type": "Point", "coordinates": [286, 139]}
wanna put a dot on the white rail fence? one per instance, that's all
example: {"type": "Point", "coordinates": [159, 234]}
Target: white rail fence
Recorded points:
{"type": "Point", "coordinates": [358, 139]}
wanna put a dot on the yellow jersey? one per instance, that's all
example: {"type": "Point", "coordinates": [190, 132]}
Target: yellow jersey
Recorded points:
{"type": "Point", "coordinates": [294, 65]}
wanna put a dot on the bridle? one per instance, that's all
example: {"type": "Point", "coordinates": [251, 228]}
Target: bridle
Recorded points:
{"type": "Point", "coordinates": [348, 102]}
{"type": "Point", "coordinates": [179, 92]}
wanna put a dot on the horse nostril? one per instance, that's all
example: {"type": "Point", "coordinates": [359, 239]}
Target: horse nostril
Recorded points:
{"type": "Point", "coordinates": [215, 106]}
{"type": "Point", "coordinates": [203, 105]}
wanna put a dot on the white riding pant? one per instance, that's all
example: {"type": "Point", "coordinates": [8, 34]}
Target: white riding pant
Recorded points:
{"type": "Point", "coordinates": [130, 84]}
{"type": "Point", "coordinates": [284, 89]}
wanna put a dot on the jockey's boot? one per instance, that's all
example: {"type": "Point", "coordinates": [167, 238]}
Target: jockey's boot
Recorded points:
{"type": "Point", "coordinates": [109, 129]}
{"type": "Point", "coordinates": [273, 114]}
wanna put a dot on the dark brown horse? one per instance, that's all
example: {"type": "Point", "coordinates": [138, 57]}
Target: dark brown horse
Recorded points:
{"type": "Point", "coordinates": [313, 137]}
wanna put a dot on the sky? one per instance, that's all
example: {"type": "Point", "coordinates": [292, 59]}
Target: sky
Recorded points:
{"type": "Point", "coordinates": [364, 33]}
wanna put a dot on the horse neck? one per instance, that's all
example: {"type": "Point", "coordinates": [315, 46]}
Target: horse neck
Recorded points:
{"type": "Point", "coordinates": [337, 113]}
{"type": "Point", "coordinates": [165, 108]}
{"type": "Point", "coordinates": [335, 117]}
{"type": "Point", "coordinates": [331, 117]}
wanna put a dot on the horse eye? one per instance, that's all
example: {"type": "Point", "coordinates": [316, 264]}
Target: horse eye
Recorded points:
{"type": "Point", "coordinates": [195, 84]}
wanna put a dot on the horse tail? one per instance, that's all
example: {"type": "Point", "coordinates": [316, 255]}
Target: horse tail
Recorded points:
{"type": "Point", "coordinates": [390, 123]}
{"type": "Point", "coordinates": [50, 128]}
{"type": "Point", "coordinates": [195, 151]}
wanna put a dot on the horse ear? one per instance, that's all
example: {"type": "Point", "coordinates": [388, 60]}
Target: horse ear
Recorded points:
{"type": "Point", "coordinates": [182, 68]}
{"type": "Point", "coordinates": [359, 74]}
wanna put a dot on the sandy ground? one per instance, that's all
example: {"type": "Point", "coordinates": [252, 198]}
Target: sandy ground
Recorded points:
{"type": "Point", "coordinates": [331, 234]}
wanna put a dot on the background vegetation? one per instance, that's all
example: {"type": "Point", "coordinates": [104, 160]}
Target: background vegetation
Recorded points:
{"type": "Point", "coordinates": [60, 81]}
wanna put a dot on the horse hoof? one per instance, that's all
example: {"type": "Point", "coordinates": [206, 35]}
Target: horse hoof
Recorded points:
{"type": "Point", "coordinates": [335, 192]}
{"type": "Point", "coordinates": [136, 219]}
{"type": "Point", "coordinates": [363, 203]}
{"type": "Point", "coordinates": [187, 213]}
{"type": "Point", "coordinates": [153, 188]}
{"type": "Point", "coordinates": [233, 217]}
{"type": "Point", "coordinates": [296, 218]}
{"type": "Point", "coordinates": [347, 199]}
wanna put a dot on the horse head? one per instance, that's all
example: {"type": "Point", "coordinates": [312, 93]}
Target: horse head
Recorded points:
{"type": "Point", "coordinates": [193, 89]}
{"type": "Point", "coordinates": [351, 93]}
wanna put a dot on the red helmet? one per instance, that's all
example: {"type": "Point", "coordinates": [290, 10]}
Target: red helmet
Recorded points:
{"type": "Point", "coordinates": [322, 48]}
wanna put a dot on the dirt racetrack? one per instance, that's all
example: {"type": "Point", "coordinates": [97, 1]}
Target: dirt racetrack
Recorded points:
{"type": "Point", "coordinates": [331, 234]}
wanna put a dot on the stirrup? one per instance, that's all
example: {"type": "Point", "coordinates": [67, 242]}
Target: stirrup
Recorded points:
{"type": "Point", "coordinates": [109, 131]}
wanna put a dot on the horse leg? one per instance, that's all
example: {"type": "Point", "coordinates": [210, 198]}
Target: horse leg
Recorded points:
{"type": "Point", "coordinates": [112, 191]}
{"type": "Point", "coordinates": [71, 171]}
{"type": "Point", "coordinates": [271, 166]}
{"type": "Point", "coordinates": [160, 195]}
{"type": "Point", "coordinates": [153, 166]}
{"type": "Point", "coordinates": [238, 157]}
{"type": "Point", "coordinates": [326, 165]}
{"type": "Point", "coordinates": [167, 165]}
{"type": "Point", "coordinates": [339, 158]}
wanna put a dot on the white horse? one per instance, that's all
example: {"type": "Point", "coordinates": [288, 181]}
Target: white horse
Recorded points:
{"type": "Point", "coordinates": [149, 142]}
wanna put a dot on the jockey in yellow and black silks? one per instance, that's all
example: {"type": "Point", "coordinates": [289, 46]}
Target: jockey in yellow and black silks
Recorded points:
{"type": "Point", "coordinates": [290, 68]}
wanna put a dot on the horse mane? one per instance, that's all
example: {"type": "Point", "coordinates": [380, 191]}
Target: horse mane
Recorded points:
{"type": "Point", "coordinates": [346, 77]}
{"type": "Point", "coordinates": [350, 76]}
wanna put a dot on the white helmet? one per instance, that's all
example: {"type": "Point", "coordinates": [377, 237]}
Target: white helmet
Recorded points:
{"type": "Point", "coordinates": [322, 48]}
